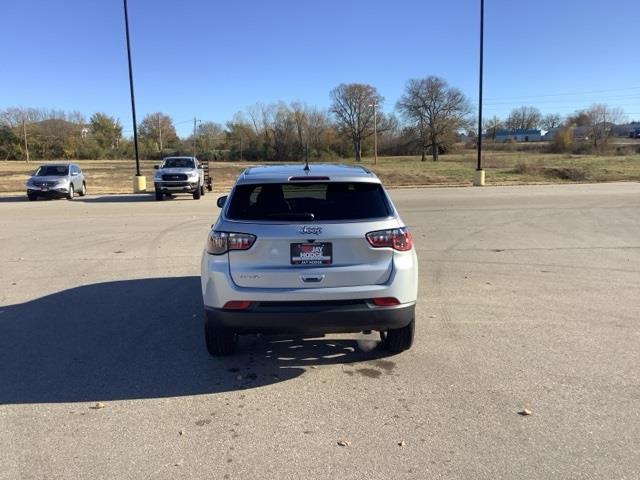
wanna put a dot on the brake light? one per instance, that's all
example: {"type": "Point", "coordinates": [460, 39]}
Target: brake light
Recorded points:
{"type": "Point", "coordinates": [385, 301]}
{"type": "Point", "coordinates": [309, 178]}
{"type": "Point", "coordinates": [397, 238]}
{"type": "Point", "coordinates": [237, 305]}
{"type": "Point", "coordinates": [222, 242]}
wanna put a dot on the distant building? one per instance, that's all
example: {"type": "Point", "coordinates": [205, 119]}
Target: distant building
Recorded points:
{"type": "Point", "coordinates": [578, 133]}
{"type": "Point", "coordinates": [626, 130]}
{"type": "Point", "coordinates": [520, 135]}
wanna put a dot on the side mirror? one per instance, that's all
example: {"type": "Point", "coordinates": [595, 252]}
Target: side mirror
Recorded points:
{"type": "Point", "coordinates": [221, 201]}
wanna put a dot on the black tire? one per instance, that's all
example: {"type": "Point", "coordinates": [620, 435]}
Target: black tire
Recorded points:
{"type": "Point", "coordinates": [210, 187]}
{"type": "Point", "coordinates": [83, 190]}
{"type": "Point", "coordinates": [32, 197]}
{"type": "Point", "coordinates": [159, 196]}
{"type": "Point", "coordinates": [196, 194]}
{"type": "Point", "coordinates": [71, 192]}
{"type": "Point", "coordinates": [202, 192]}
{"type": "Point", "coordinates": [399, 339]}
{"type": "Point", "coordinates": [220, 341]}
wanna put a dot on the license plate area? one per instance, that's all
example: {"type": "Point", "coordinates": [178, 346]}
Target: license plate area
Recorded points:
{"type": "Point", "coordinates": [311, 253]}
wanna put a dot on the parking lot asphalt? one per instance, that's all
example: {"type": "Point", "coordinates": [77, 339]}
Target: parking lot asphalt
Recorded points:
{"type": "Point", "coordinates": [529, 299]}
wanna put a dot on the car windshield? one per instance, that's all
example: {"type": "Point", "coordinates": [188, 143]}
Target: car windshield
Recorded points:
{"type": "Point", "coordinates": [309, 201]}
{"type": "Point", "coordinates": [178, 163]}
{"type": "Point", "coordinates": [52, 171]}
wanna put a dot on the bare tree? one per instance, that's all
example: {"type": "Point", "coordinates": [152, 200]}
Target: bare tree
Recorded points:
{"type": "Point", "coordinates": [524, 118]}
{"type": "Point", "coordinates": [436, 110]}
{"type": "Point", "coordinates": [492, 126]}
{"type": "Point", "coordinates": [551, 120]}
{"type": "Point", "coordinates": [351, 104]}
{"type": "Point", "coordinates": [601, 120]}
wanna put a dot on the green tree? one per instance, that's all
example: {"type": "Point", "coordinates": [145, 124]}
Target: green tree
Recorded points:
{"type": "Point", "coordinates": [9, 143]}
{"type": "Point", "coordinates": [106, 130]}
{"type": "Point", "coordinates": [157, 133]}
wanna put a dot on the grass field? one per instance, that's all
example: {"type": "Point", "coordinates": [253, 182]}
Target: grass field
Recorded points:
{"type": "Point", "coordinates": [502, 168]}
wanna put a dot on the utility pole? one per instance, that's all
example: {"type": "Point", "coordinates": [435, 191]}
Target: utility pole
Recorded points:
{"type": "Point", "coordinates": [160, 134]}
{"type": "Point", "coordinates": [24, 133]}
{"type": "Point", "coordinates": [194, 136]}
{"type": "Point", "coordinates": [140, 182]}
{"type": "Point", "coordinates": [478, 178]}
{"type": "Point", "coordinates": [375, 133]}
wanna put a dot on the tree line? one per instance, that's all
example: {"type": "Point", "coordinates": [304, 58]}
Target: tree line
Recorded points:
{"type": "Point", "coordinates": [430, 118]}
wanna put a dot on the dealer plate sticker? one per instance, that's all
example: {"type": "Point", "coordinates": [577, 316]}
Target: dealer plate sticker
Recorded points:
{"type": "Point", "coordinates": [311, 253]}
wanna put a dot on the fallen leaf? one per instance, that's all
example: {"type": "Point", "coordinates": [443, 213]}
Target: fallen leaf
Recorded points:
{"type": "Point", "coordinates": [432, 316]}
{"type": "Point", "coordinates": [344, 443]}
{"type": "Point", "coordinates": [97, 406]}
{"type": "Point", "coordinates": [181, 432]}
{"type": "Point", "coordinates": [525, 412]}
{"type": "Point", "coordinates": [401, 443]}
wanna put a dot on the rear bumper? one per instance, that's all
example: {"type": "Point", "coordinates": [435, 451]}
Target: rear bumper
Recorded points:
{"type": "Point", "coordinates": [315, 317]}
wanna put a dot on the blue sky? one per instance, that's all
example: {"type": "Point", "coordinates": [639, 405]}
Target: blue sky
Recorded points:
{"type": "Point", "coordinates": [210, 59]}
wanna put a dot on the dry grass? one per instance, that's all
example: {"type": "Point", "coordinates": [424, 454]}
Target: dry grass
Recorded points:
{"type": "Point", "coordinates": [115, 176]}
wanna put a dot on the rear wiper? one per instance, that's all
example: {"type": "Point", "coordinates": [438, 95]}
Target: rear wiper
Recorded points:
{"type": "Point", "coordinates": [292, 216]}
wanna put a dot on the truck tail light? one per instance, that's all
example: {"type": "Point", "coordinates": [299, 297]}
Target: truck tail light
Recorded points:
{"type": "Point", "coordinates": [397, 238]}
{"type": "Point", "coordinates": [222, 242]}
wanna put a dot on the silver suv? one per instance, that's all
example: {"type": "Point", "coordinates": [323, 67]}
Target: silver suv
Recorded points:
{"type": "Point", "coordinates": [179, 175]}
{"type": "Point", "coordinates": [61, 180]}
{"type": "Point", "coordinates": [309, 251]}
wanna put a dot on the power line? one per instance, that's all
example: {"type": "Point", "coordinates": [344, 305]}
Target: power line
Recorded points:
{"type": "Point", "coordinates": [565, 94]}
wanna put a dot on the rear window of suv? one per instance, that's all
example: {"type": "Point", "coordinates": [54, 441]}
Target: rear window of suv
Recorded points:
{"type": "Point", "coordinates": [320, 201]}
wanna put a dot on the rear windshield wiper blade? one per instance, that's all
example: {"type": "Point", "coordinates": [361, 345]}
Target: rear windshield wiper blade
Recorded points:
{"type": "Point", "coordinates": [291, 216]}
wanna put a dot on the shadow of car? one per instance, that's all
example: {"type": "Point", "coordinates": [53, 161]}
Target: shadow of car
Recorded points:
{"type": "Point", "coordinates": [137, 339]}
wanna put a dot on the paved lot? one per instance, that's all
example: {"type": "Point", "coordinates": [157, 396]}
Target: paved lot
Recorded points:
{"type": "Point", "coordinates": [529, 297]}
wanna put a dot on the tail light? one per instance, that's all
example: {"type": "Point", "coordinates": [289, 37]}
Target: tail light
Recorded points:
{"type": "Point", "coordinates": [385, 301]}
{"type": "Point", "coordinates": [237, 305]}
{"type": "Point", "coordinates": [396, 238]}
{"type": "Point", "coordinates": [222, 242]}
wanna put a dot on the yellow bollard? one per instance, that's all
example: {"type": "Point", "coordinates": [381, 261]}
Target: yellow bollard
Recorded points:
{"type": "Point", "coordinates": [478, 178]}
{"type": "Point", "coordinates": [139, 184]}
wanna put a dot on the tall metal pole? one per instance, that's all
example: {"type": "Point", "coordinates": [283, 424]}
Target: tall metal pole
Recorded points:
{"type": "Point", "coordinates": [24, 132]}
{"type": "Point", "coordinates": [133, 102]}
{"type": "Point", "coordinates": [194, 136]}
{"type": "Point", "coordinates": [375, 133]}
{"type": "Point", "coordinates": [479, 165]}
{"type": "Point", "coordinates": [160, 134]}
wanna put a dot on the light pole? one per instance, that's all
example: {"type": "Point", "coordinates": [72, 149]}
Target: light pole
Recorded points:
{"type": "Point", "coordinates": [139, 182]}
{"type": "Point", "coordinates": [375, 133]}
{"type": "Point", "coordinates": [478, 177]}
{"type": "Point", "coordinates": [194, 134]}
